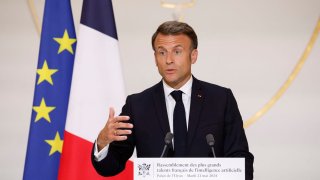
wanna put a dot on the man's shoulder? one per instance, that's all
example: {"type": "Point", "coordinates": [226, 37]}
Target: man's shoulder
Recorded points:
{"type": "Point", "coordinates": [207, 86]}
{"type": "Point", "coordinates": [149, 91]}
{"type": "Point", "coordinates": [213, 92]}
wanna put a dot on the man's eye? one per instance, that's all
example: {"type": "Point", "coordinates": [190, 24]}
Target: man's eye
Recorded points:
{"type": "Point", "coordinates": [177, 52]}
{"type": "Point", "coordinates": [162, 53]}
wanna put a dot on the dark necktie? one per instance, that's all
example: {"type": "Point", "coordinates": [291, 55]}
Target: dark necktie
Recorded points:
{"type": "Point", "coordinates": [179, 125]}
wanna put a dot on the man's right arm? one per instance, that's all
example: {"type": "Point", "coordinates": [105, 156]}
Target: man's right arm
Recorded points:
{"type": "Point", "coordinates": [114, 145]}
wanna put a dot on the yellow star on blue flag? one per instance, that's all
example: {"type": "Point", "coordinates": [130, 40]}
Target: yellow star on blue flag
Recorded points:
{"type": "Point", "coordinates": [43, 111]}
{"type": "Point", "coordinates": [45, 73]}
{"type": "Point", "coordinates": [65, 42]}
{"type": "Point", "coordinates": [56, 144]}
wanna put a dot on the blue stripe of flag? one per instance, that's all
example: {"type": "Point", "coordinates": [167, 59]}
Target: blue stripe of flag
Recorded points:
{"type": "Point", "coordinates": [93, 10]}
{"type": "Point", "coordinates": [56, 20]}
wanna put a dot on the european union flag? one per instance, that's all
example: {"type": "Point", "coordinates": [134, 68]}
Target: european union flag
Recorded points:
{"type": "Point", "coordinates": [50, 103]}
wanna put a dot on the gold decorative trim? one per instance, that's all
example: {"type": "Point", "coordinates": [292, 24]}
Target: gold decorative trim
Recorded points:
{"type": "Point", "coordinates": [34, 15]}
{"type": "Point", "coordinates": [289, 81]}
{"type": "Point", "coordinates": [178, 7]}
{"type": "Point", "coordinates": [175, 5]}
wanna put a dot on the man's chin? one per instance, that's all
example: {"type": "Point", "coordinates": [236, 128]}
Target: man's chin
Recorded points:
{"type": "Point", "coordinates": [171, 82]}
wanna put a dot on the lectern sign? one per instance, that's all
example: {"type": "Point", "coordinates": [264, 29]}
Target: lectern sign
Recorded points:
{"type": "Point", "coordinates": [189, 168]}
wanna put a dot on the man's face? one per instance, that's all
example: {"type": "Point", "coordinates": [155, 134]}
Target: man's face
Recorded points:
{"type": "Point", "coordinates": [174, 57]}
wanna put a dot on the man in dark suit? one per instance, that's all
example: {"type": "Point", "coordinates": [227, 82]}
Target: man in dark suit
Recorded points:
{"type": "Point", "coordinates": [181, 104]}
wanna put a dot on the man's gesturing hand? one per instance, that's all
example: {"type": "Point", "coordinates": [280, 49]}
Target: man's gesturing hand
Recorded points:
{"type": "Point", "coordinates": [115, 129]}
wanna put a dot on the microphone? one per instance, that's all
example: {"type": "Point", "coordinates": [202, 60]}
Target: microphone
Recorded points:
{"type": "Point", "coordinates": [210, 141]}
{"type": "Point", "coordinates": [168, 141]}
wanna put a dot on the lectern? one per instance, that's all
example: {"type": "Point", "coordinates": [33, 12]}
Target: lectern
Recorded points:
{"type": "Point", "coordinates": [189, 169]}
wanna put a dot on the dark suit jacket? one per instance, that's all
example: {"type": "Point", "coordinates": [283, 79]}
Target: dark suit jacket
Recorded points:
{"type": "Point", "coordinates": [213, 110]}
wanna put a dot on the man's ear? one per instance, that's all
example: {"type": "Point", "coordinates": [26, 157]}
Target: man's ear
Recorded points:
{"type": "Point", "coordinates": [194, 56]}
{"type": "Point", "coordinates": [155, 58]}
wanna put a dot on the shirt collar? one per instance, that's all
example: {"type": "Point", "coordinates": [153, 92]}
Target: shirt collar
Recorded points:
{"type": "Point", "coordinates": [186, 88]}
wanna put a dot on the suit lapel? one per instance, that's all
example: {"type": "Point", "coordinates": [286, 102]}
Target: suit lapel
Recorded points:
{"type": "Point", "coordinates": [197, 98]}
{"type": "Point", "coordinates": [161, 110]}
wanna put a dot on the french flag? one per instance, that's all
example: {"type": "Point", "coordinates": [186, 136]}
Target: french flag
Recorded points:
{"type": "Point", "coordinates": [97, 84]}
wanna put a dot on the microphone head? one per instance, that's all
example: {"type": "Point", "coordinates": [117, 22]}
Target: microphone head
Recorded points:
{"type": "Point", "coordinates": [210, 139]}
{"type": "Point", "coordinates": [168, 138]}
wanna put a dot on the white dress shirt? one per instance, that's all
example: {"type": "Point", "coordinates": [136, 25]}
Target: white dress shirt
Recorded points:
{"type": "Point", "coordinates": [170, 104]}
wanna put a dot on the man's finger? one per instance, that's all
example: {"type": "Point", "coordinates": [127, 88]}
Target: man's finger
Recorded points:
{"type": "Point", "coordinates": [120, 138]}
{"type": "Point", "coordinates": [123, 125]}
{"type": "Point", "coordinates": [111, 112]}
{"type": "Point", "coordinates": [121, 118]}
{"type": "Point", "coordinates": [120, 132]}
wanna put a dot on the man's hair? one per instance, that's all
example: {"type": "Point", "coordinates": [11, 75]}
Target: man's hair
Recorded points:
{"type": "Point", "coordinates": [176, 28]}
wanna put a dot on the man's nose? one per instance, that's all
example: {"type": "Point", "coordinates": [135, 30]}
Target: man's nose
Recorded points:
{"type": "Point", "coordinates": [169, 58]}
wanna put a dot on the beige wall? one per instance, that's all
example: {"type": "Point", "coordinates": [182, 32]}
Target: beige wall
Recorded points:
{"type": "Point", "coordinates": [249, 46]}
